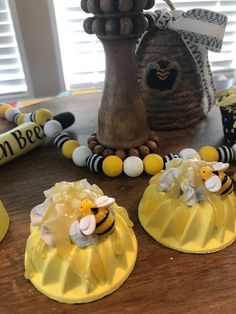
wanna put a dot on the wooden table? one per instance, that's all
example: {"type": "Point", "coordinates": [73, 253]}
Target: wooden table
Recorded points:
{"type": "Point", "coordinates": [163, 281]}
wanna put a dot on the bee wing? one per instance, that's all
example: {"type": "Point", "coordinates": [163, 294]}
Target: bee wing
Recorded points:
{"type": "Point", "coordinates": [220, 166]}
{"type": "Point", "coordinates": [213, 184]}
{"type": "Point", "coordinates": [104, 201]}
{"type": "Point", "coordinates": [87, 224]}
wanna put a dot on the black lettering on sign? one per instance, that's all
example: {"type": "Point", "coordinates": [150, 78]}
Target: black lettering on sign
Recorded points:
{"type": "Point", "coordinates": [39, 132]}
{"type": "Point", "coordinates": [30, 136]}
{"type": "Point", "coordinates": [21, 141]}
{"type": "Point", "coordinates": [5, 148]}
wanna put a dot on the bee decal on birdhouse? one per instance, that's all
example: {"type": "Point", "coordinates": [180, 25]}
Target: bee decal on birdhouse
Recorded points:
{"type": "Point", "coordinates": [163, 75]}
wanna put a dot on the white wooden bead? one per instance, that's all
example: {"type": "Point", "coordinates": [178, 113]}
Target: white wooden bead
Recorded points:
{"type": "Point", "coordinates": [80, 155]}
{"type": "Point", "coordinates": [10, 113]}
{"type": "Point", "coordinates": [189, 152]}
{"type": "Point", "coordinates": [133, 166]}
{"type": "Point", "coordinates": [52, 127]}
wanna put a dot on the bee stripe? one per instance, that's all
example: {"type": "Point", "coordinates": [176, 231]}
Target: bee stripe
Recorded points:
{"type": "Point", "coordinates": [60, 138]}
{"type": "Point", "coordinates": [32, 117]}
{"type": "Point", "coordinates": [94, 210]}
{"type": "Point", "coordinates": [224, 179]}
{"type": "Point", "coordinates": [228, 189]}
{"type": "Point", "coordinates": [107, 230]}
{"type": "Point", "coordinates": [103, 219]}
{"type": "Point", "coordinates": [169, 157]}
{"type": "Point", "coordinates": [226, 154]}
{"type": "Point", "coordinates": [16, 117]}
{"type": "Point", "coordinates": [163, 73]}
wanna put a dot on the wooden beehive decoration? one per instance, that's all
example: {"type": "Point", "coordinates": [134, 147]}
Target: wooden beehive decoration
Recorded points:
{"type": "Point", "coordinates": [169, 81]}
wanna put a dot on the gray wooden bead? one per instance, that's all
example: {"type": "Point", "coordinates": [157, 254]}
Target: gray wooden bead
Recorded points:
{"type": "Point", "coordinates": [91, 138]}
{"type": "Point", "coordinates": [144, 150]}
{"type": "Point", "coordinates": [84, 6]}
{"type": "Point", "coordinates": [98, 27]}
{"type": "Point", "coordinates": [133, 152]}
{"type": "Point", "coordinates": [121, 153]}
{"type": "Point", "coordinates": [126, 25]}
{"type": "Point", "coordinates": [88, 25]}
{"type": "Point", "coordinates": [152, 145]}
{"type": "Point", "coordinates": [98, 149]}
{"type": "Point", "coordinates": [125, 5]}
{"type": "Point", "coordinates": [111, 27]}
{"type": "Point", "coordinates": [93, 6]}
{"type": "Point", "coordinates": [92, 144]}
{"type": "Point", "coordinates": [108, 152]}
{"type": "Point", "coordinates": [107, 6]}
{"type": "Point", "coordinates": [150, 4]}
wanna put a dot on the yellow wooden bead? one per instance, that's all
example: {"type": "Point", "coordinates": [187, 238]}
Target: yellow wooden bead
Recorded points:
{"type": "Point", "coordinates": [68, 148]}
{"type": "Point", "coordinates": [112, 166]}
{"type": "Point", "coordinates": [20, 119]}
{"type": "Point", "coordinates": [3, 109]}
{"type": "Point", "coordinates": [153, 163]}
{"type": "Point", "coordinates": [208, 153]}
{"type": "Point", "coordinates": [42, 116]}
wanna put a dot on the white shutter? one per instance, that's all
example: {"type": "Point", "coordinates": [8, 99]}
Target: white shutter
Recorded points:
{"type": "Point", "coordinates": [12, 78]}
{"type": "Point", "coordinates": [83, 56]}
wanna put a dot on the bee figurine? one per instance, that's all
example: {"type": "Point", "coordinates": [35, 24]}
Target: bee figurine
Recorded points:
{"type": "Point", "coordinates": [97, 217]}
{"type": "Point", "coordinates": [216, 180]}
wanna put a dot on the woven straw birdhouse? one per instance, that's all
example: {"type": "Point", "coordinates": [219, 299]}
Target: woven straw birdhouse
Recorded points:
{"type": "Point", "coordinates": [173, 69]}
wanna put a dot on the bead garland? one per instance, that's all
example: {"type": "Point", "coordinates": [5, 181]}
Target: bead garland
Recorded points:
{"type": "Point", "coordinates": [111, 165]}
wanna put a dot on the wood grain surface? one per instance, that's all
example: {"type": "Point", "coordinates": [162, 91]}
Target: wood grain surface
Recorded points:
{"type": "Point", "coordinates": [163, 280]}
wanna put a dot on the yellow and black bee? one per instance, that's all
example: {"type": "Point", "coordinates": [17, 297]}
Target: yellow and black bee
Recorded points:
{"type": "Point", "coordinates": [216, 180]}
{"type": "Point", "coordinates": [97, 217]}
{"type": "Point", "coordinates": [105, 220]}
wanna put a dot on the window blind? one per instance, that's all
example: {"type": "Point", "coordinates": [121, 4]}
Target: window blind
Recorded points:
{"type": "Point", "coordinates": [12, 78]}
{"type": "Point", "coordinates": [83, 57]}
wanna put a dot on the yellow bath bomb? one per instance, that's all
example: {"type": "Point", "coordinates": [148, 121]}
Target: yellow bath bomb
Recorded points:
{"type": "Point", "coordinates": [3, 109]}
{"type": "Point", "coordinates": [112, 166]}
{"type": "Point", "coordinates": [69, 147]}
{"type": "Point", "coordinates": [208, 153]}
{"type": "Point", "coordinates": [42, 116]}
{"type": "Point", "coordinates": [153, 163]}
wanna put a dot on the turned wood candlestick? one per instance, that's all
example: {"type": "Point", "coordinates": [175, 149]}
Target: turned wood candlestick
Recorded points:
{"type": "Point", "coordinates": [118, 23]}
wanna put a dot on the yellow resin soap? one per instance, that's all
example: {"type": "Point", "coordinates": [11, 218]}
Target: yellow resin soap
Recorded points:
{"type": "Point", "coordinates": [190, 207]}
{"type": "Point", "coordinates": [82, 245]}
{"type": "Point", "coordinates": [4, 221]}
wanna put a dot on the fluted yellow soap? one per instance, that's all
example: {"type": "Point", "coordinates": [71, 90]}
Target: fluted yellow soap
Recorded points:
{"type": "Point", "coordinates": [179, 211]}
{"type": "Point", "coordinates": [71, 267]}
